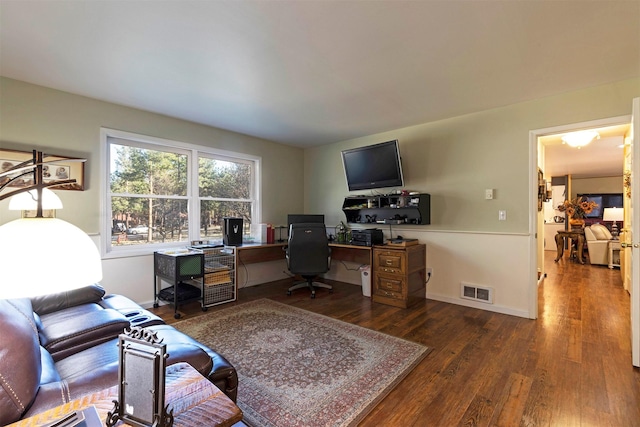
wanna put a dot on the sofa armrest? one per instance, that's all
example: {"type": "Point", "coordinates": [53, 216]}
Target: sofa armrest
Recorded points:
{"type": "Point", "coordinates": [59, 301]}
{"type": "Point", "coordinates": [20, 365]}
{"type": "Point", "coordinates": [69, 331]}
{"type": "Point", "coordinates": [214, 366]}
{"type": "Point", "coordinates": [136, 315]}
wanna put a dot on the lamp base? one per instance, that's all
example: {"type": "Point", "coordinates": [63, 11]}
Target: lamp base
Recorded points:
{"type": "Point", "coordinates": [614, 231]}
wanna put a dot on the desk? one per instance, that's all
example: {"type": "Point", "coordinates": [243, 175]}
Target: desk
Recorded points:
{"type": "Point", "coordinates": [195, 402]}
{"type": "Point", "coordinates": [251, 253]}
{"type": "Point", "coordinates": [577, 235]}
{"type": "Point", "coordinates": [398, 273]}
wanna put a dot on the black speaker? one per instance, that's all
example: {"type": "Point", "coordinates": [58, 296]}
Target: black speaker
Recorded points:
{"type": "Point", "coordinates": [232, 233]}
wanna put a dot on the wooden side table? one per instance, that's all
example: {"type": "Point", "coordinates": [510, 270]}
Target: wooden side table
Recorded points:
{"type": "Point", "coordinates": [577, 235]}
{"type": "Point", "coordinates": [194, 399]}
{"type": "Point", "coordinates": [614, 253]}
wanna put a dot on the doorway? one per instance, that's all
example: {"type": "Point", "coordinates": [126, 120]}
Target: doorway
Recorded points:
{"type": "Point", "coordinates": [537, 153]}
{"type": "Point", "coordinates": [540, 140]}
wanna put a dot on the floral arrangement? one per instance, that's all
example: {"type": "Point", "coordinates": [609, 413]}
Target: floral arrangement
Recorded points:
{"type": "Point", "coordinates": [578, 207]}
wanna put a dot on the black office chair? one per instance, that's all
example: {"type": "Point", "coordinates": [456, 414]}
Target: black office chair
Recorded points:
{"type": "Point", "coordinates": [308, 254]}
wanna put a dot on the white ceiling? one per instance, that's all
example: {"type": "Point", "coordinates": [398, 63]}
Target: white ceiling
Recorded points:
{"type": "Point", "coordinates": [315, 72]}
{"type": "Point", "coordinates": [601, 158]}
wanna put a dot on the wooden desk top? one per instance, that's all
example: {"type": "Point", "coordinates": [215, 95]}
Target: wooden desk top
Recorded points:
{"type": "Point", "coordinates": [250, 246]}
{"type": "Point", "coordinates": [250, 253]}
{"type": "Point", "coordinates": [194, 399]}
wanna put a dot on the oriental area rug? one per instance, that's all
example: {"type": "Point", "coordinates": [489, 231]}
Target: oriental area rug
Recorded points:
{"type": "Point", "coordinates": [298, 368]}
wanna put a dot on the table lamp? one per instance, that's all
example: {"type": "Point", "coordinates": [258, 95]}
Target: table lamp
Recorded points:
{"type": "Point", "coordinates": [613, 214]}
{"type": "Point", "coordinates": [42, 255]}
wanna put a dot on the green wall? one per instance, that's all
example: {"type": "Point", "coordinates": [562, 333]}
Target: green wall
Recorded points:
{"type": "Point", "coordinates": [456, 159]}
{"type": "Point", "coordinates": [35, 117]}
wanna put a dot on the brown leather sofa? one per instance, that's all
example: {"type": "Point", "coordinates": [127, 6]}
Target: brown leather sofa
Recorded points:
{"type": "Point", "coordinates": [56, 348]}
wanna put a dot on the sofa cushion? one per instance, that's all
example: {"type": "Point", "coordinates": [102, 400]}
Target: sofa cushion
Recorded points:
{"type": "Point", "coordinates": [49, 372]}
{"type": "Point", "coordinates": [20, 366]}
{"type": "Point", "coordinates": [600, 232]}
{"type": "Point", "coordinates": [82, 373]}
{"type": "Point", "coordinates": [76, 328]}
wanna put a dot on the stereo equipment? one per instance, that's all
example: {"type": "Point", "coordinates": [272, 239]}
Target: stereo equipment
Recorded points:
{"type": "Point", "coordinates": [369, 237]}
{"type": "Point", "coordinates": [232, 232]}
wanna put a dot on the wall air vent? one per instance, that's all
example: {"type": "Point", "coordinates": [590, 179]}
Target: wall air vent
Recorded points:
{"type": "Point", "coordinates": [476, 292]}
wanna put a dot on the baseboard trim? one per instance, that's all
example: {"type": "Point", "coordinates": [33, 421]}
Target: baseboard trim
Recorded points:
{"type": "Point", "coordinates": [480, 306]}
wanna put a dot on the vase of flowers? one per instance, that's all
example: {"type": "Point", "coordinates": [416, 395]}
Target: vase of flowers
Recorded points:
{"type": "Point", "coordinates": [577, 209]}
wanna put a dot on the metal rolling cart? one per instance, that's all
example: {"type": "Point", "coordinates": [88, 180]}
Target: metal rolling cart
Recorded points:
{"type": "Point", "coordinates": [219, 281]}
{"type": "Point", "coordinates": [184, 270]}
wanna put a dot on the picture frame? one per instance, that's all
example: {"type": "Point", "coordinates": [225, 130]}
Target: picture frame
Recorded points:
{"type": "Point", "coordinates": [141, 381]}
{"type": "Point", "coordinates": [54, 168]}
{"type": "Point", "coordinates": [542, 189]}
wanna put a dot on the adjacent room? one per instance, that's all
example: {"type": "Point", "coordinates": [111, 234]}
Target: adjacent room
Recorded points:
{"type": "Point", "coordinates": [246, 213]}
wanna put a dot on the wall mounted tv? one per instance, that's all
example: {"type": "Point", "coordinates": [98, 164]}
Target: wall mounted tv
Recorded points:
{"type": "Point", "coordinates": [373, 166]}
{"type": "Point", "coordinates": [604, 200]}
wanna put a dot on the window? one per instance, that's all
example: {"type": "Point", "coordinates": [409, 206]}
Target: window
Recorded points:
{"type": "Point", "coordinates": [224, 187]}
{"type": "Point", "coordinates": [166, 193]}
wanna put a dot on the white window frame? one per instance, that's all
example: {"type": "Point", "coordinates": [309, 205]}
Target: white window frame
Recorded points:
{"type": "Point", "coordinates": [193, 152]}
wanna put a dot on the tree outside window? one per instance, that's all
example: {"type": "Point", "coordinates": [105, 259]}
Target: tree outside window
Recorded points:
{"type": "Point", "coordinates": [149, 193]}
{"type": "Point", "coordinates": [225, 191]}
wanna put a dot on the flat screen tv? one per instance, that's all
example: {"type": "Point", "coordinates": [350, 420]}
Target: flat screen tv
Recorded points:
{"type": "Point", "coordinates": [604, 200]}
{"type": "Point", "coordinates": [373, 166]}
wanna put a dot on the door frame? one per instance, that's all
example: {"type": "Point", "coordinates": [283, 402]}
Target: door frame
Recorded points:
{"type": "Point", "coordinates": [535, 236]}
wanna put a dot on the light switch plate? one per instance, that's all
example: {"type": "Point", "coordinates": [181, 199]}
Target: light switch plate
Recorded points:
{"type": "Point", "coordinates": [488, 194]}
{"type": "Point", "coordinates": [502, 215]}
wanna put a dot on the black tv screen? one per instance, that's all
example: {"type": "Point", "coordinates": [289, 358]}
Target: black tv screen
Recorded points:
{"type": "Point", "coordinates": [373, 166]}
{"type": "Point", "coordinates": [603, 200]}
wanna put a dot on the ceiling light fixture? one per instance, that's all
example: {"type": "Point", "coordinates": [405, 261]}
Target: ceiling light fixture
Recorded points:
{"type": "Point", "coordinates": [580, 138]}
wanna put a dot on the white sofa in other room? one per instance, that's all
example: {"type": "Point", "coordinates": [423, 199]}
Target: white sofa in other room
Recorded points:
{"type": "Point", "coordinates": [598, 237]}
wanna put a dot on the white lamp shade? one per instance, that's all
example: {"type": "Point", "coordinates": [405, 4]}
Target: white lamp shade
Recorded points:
{"type": "Point", "coordinates": [28, 201]}
{"type": "Point", "coordinates": [45, 255]}
{"type": "Point", "coordinates": [613, 214]}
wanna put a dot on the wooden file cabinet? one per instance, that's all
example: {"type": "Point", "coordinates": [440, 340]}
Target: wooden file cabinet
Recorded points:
{"type": "Point", "coordinates": [399, 274]}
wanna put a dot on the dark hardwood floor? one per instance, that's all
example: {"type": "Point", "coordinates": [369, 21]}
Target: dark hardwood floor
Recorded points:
{"type": "Point", "coordinates": [570, 367]}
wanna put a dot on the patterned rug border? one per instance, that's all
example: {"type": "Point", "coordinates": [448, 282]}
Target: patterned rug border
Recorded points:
{"type": "Point", "coordinates": [267, 304]}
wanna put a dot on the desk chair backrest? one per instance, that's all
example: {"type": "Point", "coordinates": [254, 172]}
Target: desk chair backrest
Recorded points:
{"type": "Point", "coordinates": [308, 251]}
